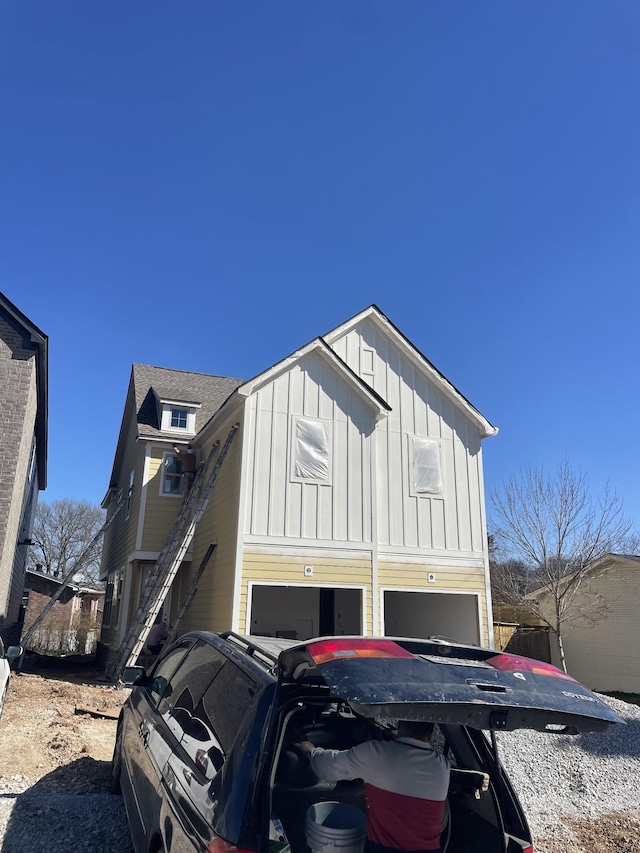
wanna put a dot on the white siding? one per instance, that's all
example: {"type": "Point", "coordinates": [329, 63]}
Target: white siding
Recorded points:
{"type": "Point", "coordinates": [449, 523]}
{"type": "Point", "coordinates": [282, 507]}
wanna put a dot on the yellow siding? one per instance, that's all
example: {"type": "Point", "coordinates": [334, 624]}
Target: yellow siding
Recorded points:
{"type": "Point", "coordinates": [452, 579]}
{"type": "Point", "coordinates": [120, 537]}
{"type": "Point", "coordinates": [212, 607]}
{"type": "Point", "coordinates": [161, 510]}
{"type": "Point", "coordinates": [327, 571]}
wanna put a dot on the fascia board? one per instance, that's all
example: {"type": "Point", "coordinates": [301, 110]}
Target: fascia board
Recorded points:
{"type": "Point", "coordinates": [419, 360]}
{"type": "Point", "coordinates": [321, 348]}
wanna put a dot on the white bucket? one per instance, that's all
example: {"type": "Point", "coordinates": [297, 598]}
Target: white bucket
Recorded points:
{"type": "Point", "coordinates": [335, 828]}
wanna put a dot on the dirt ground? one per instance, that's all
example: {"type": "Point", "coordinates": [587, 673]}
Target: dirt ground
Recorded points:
{"type": "Point", "coordinates": [43, 726]}
{"type": "Point", "coordinates": [46, 726]}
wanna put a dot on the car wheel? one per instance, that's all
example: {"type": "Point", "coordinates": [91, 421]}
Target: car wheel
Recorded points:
{"type": "Point", "coordinates": [116, 762]}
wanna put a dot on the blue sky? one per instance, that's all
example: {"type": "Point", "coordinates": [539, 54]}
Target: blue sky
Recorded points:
{"type": "Point", "coordinates": [209, 185]}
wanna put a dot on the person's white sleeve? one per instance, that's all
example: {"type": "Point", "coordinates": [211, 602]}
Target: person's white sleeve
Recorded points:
{"type": "Point", "coordinates": [333, 764]}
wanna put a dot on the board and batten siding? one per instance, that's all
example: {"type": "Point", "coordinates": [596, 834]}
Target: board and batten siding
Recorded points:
{"type": "Point", "coordinates": [212, 607]}
{"type": "Point", "coordinates": [288, 569]}
{"type": "Point", "coordinates": [278, 505]}
{"type": "Point", "coordinates": [451, 523]}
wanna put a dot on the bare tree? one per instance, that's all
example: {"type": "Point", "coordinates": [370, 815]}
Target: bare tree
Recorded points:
{"type": "Point", "coordinates": [62, 531]}
{"type": "Point", "coordinates": [551, 523]}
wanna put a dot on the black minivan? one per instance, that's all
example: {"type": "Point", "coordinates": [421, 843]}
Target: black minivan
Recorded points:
{"type": "Point", "coordinates": [204, 753]}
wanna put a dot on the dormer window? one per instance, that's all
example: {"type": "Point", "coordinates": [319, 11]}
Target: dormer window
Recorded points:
{"type": "Point", "coordinates": [178, 416]}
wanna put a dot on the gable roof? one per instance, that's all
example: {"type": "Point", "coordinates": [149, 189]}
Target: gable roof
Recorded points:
{"type": "Point", "coordinates": [414, 355]}
{"type": "Point", "coordinates": [321, 348]}
{"type": "Point", "coordinates": [37, 339]}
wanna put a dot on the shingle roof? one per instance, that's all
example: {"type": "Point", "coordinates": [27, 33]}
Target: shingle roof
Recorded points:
{"type": "Point", "coordinates": [209, 392]}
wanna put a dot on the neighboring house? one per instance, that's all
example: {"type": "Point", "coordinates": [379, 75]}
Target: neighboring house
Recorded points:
{"type": "Point", "coordinates": [351, 500]}
{"type": "Point", "coordinates": [23, 454]}
{"type": "Point", "coordinates": [602, 651]}
{"type": "Point", "coordinates": [72, 625]}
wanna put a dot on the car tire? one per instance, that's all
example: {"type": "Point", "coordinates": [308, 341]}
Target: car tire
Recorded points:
{"type": "Point", "coordinates": [116, 763]}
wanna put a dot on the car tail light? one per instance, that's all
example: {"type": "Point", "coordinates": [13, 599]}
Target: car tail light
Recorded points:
{"type": "Point", "coordinates": [528, 849]}
{"type": "Point", "coordinates": [512, 663]}
{"type": "Point", "coordinates": [219, 845]}
{"type": "Point", "coordinates": [327, 650]}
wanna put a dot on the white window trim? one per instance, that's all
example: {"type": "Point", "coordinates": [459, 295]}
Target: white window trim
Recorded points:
{"type": "Point", "coordinates": [167, 407]}
{"type": "Point", "coordinates": [294, 478]}
{"type": "Point", "coordinates": [162, 492]}
{"type": "Point", "coordinates": [127, 514]}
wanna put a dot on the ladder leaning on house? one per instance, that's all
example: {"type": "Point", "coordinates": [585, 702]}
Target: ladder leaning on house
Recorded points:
{"type": "Point", "coordinates": [170, 558]}
{"type": "Point", "coordinates": [66, 580]}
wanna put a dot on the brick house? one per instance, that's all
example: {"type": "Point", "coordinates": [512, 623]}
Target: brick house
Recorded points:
{"type": "Point", "coordinates": [23, 454]}
{"type": "Point", "coordinates": [72, 625]}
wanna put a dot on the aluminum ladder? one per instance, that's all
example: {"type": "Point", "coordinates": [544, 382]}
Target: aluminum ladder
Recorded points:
{"type": "Point", "coordinates": [170, 558]}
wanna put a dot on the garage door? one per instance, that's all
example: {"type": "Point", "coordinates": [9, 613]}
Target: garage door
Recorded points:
{"type": "Point", "coordinates": [427, 614]}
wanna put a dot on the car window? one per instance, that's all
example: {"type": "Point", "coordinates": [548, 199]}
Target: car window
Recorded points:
{"type": "Point", "coordinates": [163, 671]}
{"type": "Point", "coordinates": [185, 690]}
{"type": "Point", "coordinates": [227, 701]}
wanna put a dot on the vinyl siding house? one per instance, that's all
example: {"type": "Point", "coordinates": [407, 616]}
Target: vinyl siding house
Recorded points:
{"type": "Point", "coordinates": [351, 500]}
{"type": "Point", "coordinates": [602, 653]}
{"type": "Point", "coordinates": [23, 454]}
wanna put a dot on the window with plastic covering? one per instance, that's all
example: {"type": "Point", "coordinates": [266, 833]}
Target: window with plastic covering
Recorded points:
{"type": "Point", "coordinates": [426, 469]}
{"type": "Point", "coordinates": [310, 451]}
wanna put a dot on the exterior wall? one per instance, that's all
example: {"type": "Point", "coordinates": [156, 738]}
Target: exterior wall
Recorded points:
{"type": "Point", "coordinates": [604, 656]}
{"type": "Point", "coordinates": [18, 406]}
{"type": "Point", "coordinates": [279, 508]}
{"type": "Point", "coordinates": [120, 537]}
{"type": "Point", "coordinates": [329, 570]}
{"type": "Point", "coordinates": [445, 579]}
{"type": "Point", "coordinates": [449, 525]}
{"type": "Point", "coordinates": [212, 607]}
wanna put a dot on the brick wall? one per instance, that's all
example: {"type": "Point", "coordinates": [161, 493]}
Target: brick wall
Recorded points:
{"type": "Point", "coordinates": [18, 404]}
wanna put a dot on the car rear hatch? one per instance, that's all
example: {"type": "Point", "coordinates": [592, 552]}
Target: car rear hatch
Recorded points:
{"type": "Point", "coordinates": [445, 682]}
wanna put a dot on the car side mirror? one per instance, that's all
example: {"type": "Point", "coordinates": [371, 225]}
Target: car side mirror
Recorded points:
{"type": "Point", "coordinates": [134, 676]}
{"type": "Point", "coordinates": [13, 652]}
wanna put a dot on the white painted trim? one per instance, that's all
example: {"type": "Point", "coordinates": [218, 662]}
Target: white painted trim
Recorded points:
{"type": "Point", "coordinates": [143, 496]}
{"type": "Point", "coordinates": [430, 591]}
{"type": "Point", "coordinates": [380, 407]}
{"type": "Point", "coordinates": [487, 576]}
{"type": "Point", "coordinates": [241, 517]}
{"type": "Point", "coordinates": [143, 555]}
{"type": "Point", "coordinates": [361, 587]}
{"type": "Point", "coordinates": [124, 602]}
{"type": "Point", "coordinates": [306, 554]}
{"type": "Point", "coordinates": [411, 352]}
{"type": "Point", "coordinates": [412, 556]}
{"type": "Point", "coordinates": [161, 491]}
{"type": "Point", "coordinates": [375, 609]}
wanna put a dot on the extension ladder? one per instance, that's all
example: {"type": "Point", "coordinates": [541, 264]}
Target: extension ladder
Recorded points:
{"type": "Point", "coordinates": [170, 558]}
